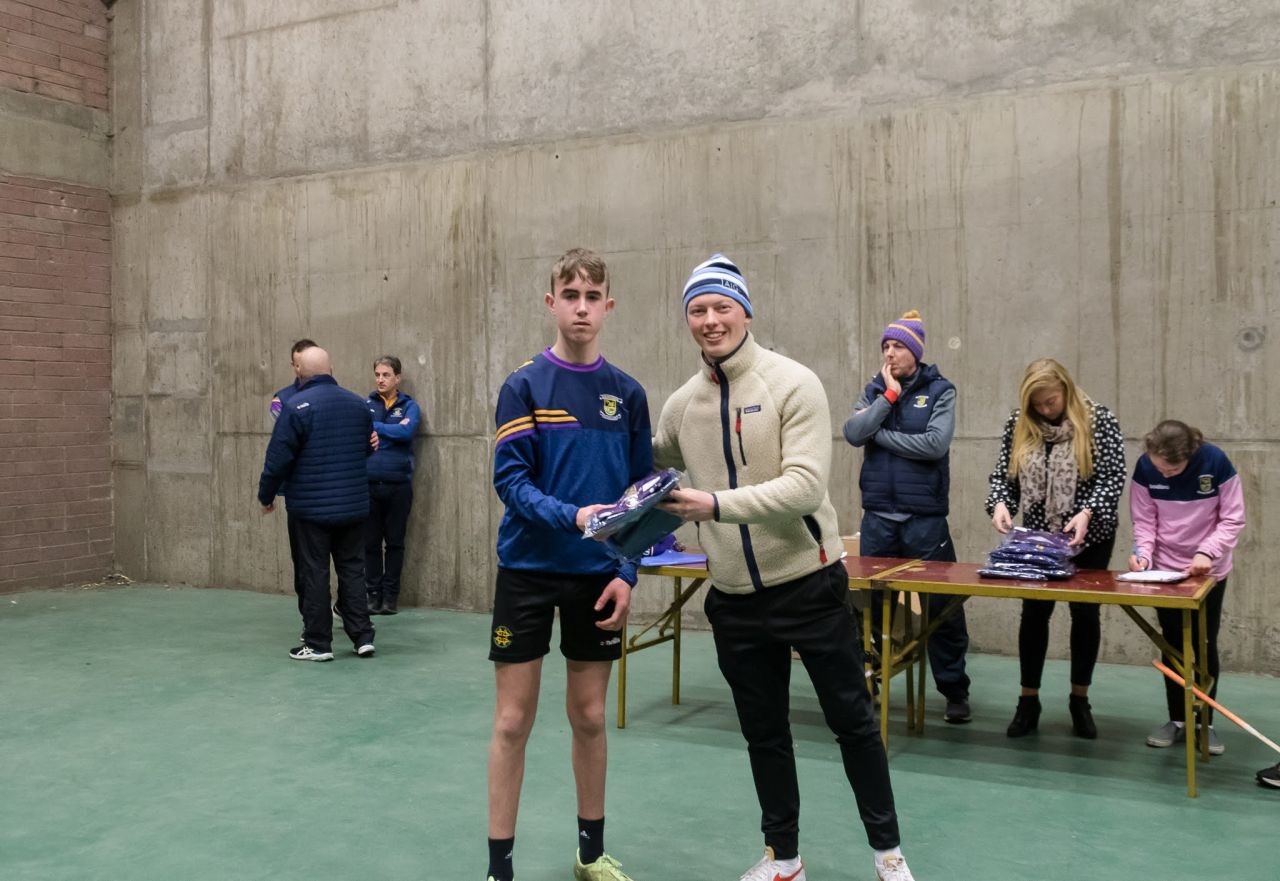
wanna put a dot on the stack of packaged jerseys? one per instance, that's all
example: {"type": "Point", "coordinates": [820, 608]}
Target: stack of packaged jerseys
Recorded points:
{"type": "Point", "coordinates": [1030, 555]}
{"type": "Point", "coordinates": [634, 524]}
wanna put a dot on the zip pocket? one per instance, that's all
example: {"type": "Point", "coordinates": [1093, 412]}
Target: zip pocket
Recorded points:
{"type": "Point", "coordinates": [737, 429]}
{"type": "Point", "coordinates": [812, 525]}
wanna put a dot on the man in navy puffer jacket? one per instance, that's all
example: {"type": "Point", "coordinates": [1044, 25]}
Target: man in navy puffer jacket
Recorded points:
{"type": "Point", "coordinates": [278, 401]}
{"type": "Point", "coordinates": [319, 445]}
{"type": "Point", "coordinates": [905, 421]}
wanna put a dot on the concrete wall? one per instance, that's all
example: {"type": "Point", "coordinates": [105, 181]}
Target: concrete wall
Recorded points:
{"type": "Point", "coordinates": [1037, 178]}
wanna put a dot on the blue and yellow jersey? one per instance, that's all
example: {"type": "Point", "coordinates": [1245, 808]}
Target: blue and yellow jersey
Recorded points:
{"type": "Point", "coordinates": [568, 435]}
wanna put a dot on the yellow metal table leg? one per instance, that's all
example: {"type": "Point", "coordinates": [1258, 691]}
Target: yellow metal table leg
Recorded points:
{"type": "Point", "coordinates": [923, 653]}
{"type": "Point", "coordinates": [1188, 700]}
{"type": "Point", "coordinates": [675, 657]}
{"type": "Point", "coordinates": [886, 664]}
{"type": "Point", "coordinates": [908, 634]}
{"type": "Point", "coordinates": [1201, 673]}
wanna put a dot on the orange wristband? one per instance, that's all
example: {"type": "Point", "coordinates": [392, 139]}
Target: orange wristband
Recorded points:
{"type": "Point", "coordinates": [891, 396]}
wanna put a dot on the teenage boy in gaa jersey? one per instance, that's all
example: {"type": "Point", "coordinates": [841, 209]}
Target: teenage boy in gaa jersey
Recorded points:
{"type": "Point", "coordinates": [572, 435]}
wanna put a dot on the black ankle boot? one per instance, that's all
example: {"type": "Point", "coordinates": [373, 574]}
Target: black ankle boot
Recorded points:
{"type": "Point", "coordinates": [1082, 717]}
{"type": "Point", "coordinates": [1026, 718]}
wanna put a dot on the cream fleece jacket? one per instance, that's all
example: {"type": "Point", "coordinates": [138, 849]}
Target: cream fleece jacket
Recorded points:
{"type": "Point", "coordinates": [755, 431]}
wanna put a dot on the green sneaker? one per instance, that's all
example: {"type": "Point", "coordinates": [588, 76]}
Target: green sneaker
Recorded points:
{"type": "Point", "coordinates": [604, 869]}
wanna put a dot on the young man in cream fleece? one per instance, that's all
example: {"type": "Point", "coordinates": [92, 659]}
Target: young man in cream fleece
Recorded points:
{"type": "Point", "coordinates": [752, 430]}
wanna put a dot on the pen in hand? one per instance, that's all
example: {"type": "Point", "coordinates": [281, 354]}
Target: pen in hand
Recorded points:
{"type": "Point", "coordinates": [1136, 562]}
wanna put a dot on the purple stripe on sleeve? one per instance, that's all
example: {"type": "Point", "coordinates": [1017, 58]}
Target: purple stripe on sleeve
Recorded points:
{"type": "Point", "coordinates": [524, 433]}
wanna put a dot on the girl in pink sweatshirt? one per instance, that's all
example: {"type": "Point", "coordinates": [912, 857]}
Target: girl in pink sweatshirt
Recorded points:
{"type": "Point", "coordinates": [1188, 510]}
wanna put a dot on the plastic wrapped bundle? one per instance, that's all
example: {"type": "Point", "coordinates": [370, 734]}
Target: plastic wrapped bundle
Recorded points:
{"type": "Point", "coordinates": [1030, 558]}
{"type": "Point", "coordinates": [667, 544]}
{"type": "Point", "coordinates": [633, 524]}
{"type": "Point", "coordinates": [1055, 544]}
{"type": "Point", "coordinates": [1031, 555]}
{"type": "Point", "coordinates": [1013, 570]}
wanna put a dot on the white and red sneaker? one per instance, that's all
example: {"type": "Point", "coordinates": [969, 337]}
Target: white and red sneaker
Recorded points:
{"type": "Point", "coordinates": [770, 869]}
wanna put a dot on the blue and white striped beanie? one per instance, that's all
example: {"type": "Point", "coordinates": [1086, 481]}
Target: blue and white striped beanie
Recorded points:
{"type": "Point", "coordinates": [718, 275]}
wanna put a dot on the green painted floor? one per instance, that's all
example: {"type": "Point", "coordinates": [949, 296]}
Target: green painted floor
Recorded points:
{"type": "Point", "coordinates": [161, 734]}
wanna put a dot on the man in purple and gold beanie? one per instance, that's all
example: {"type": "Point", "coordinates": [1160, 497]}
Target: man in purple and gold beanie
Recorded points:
{"type": "Point", "coordinates": [904, 421]}
{"type": "Point", "coordinates": [908, 330]}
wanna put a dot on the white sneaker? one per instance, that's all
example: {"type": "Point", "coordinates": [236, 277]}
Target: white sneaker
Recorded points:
{"type": "Point", "coordinates": [307, 653]}
{"type": "Point", "coordinates": [893, 869]}
{"type": "Point", "coordinates": [769, 869]}
{"type": "Point", "coordinates": [365, 651]}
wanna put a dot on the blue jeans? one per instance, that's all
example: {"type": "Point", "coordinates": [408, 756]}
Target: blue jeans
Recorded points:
{"type": "Point", "coordinates": [923, 538]}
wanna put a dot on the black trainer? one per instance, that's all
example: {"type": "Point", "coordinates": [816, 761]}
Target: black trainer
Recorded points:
{"type": "Point", "coordinates": [390, 606]}
{"type": "Point", "coordinates": [307, 653]}
{"type": "Point", "coordinates": [957, 711]}
{"type": "Point", "coordinates": [1270, 776]}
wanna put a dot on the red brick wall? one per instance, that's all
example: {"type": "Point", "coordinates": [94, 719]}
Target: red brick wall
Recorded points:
{"type": "Point", "coordinates": [55, 48]}
{"type": "Point", "coordinates": [55, 383]}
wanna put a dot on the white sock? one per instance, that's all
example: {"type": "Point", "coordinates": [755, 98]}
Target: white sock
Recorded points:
{"type": "Point", "coordinates": [786, 865]}
{"type": "Point", "coordinates": [882, 855]}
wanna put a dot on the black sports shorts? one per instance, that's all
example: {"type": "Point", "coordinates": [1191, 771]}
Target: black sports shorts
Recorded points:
{"type": "Point", "coordinates": [524, 606]}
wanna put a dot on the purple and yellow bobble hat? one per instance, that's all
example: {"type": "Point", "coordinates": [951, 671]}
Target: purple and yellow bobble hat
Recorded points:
{"type": "Point", "coordinates": [908, 330]}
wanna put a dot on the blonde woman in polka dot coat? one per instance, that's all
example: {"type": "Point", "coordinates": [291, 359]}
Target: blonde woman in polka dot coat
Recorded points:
{"type": "Point", "coordinates": [1062, 463]}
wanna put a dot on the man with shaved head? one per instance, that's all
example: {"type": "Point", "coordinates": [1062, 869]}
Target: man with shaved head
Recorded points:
{"type": "Point", "coordinates": [278, 402]}
{"type": "Point", "coordinates": [319, 445]}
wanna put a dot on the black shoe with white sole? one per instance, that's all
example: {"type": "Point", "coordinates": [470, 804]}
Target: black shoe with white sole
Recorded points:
{"type": "Point", "coordinates": [307, 653]}
{"type": "Point", "coordinates": [365, 651]}
{"type": "Point", "coordinates": [1270, 777]}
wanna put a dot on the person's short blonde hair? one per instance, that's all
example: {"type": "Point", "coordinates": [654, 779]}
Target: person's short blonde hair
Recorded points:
{"type": "Point", "coordinates": [580, 261]}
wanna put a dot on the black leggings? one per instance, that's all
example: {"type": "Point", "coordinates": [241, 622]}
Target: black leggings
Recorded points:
{"type": "Point", "coordinates": [1171, 624]}
{"type": "Point", "coordinates": [1086, 627]}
